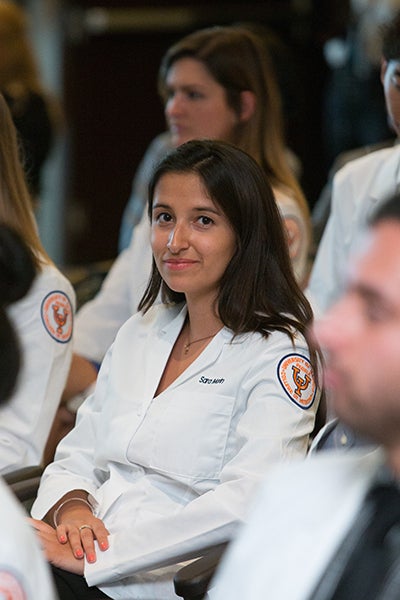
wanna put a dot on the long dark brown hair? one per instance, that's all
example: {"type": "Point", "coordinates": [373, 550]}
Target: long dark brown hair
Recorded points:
{"type": "Point", "coordinates": [258, 291]}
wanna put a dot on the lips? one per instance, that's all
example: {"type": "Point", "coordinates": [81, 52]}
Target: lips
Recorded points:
{"type": "Point", "coordinates": [178, 264]}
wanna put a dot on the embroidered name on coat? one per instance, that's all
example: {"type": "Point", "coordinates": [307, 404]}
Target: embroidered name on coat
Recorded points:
{"type": "Point", "coordinates": [296, 377]}
{"type": "Point", "coordinates": [208, 380]}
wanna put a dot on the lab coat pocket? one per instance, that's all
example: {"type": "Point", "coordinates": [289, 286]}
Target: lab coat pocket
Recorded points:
{"type": "Point", "coordinates": [190, 435]}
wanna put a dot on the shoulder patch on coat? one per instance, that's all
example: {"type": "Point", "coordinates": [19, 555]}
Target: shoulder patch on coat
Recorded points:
{"type": "Point", "coordinates": [296, 377]}
{"type": "Point", "coordinates": [10, 587]}
{"type": "Point", "coordinates": [57, 316]}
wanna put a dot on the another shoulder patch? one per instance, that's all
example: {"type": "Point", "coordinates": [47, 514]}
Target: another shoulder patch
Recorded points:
{"type": "Point", "coordinates": [10, 587]}
{"type": "Point", "coordinates": [296, 377]}
{"type": "Point", "coordinates": [57, 316]}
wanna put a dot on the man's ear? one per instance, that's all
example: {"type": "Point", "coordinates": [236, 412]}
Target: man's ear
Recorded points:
{"type": "Point", "coordinates": [247, 105]}
{"type": "Point", "coordinates": [384, 66]}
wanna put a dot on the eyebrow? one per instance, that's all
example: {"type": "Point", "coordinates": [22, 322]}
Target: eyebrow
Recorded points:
{"type": "Point", "coordinates": [210, 209]}
{"type": "Point", "coordinates": [370, 294]}
{"type": "Point", "coordinates": [366, 291]}
{"type": "Point", "coordinates": [185, 87]}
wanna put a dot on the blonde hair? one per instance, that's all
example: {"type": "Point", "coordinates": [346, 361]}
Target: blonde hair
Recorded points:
{"type": "Point", "coordinates": [237, 58]}
{"type": "Point", "coordinates": [19, 72]}
{"type": "Point", "coordinates": [18, 62]}
{"type": "Point", "coordinates": [15, 200]}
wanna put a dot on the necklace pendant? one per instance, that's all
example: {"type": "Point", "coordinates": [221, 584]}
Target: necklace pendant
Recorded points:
{"type": "Point", "coordinates": [186, 348]}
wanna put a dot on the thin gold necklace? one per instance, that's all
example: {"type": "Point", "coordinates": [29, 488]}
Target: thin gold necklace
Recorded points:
{"type": "Point", "coordinates": [188, 344]}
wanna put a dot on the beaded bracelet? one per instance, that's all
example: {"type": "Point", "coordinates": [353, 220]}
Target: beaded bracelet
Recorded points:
{"type": "Point", "coordinates": [55, 515]}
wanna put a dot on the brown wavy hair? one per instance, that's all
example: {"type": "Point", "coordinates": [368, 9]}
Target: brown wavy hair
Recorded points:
{"type": "Point", "coordinates": [237, 58]}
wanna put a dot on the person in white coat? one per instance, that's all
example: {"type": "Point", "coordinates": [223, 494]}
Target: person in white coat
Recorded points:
{"type": "Point", "coordinates": [23, 569]}
{"type": "Point", "coordinates": [199, 394]}
{"type": "Point", "coordinates": [220, 83]}
{"type": "Point", "coordinates": [216, 83]}
{"type": "Point", "coordinates": [310, 522]}
{"type": "Point", "coordinates": [358, 189]}
{"type": "Point", "coordinates": [43, 320]}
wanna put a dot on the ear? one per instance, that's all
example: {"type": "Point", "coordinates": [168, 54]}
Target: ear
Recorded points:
{"type": "Point", "coordinates": [247, 105]}
{"type": "Point", "coordinates": [384, 66]}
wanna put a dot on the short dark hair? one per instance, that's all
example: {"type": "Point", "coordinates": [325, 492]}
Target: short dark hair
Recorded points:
{"type": "Point", "coordinates": [390, 34]}
{"type": "Point", "coordinates": [389, 210]}
{"type": "Point", "coordinates": [258, 290]}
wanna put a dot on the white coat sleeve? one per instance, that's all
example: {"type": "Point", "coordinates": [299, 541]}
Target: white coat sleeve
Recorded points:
{"type": "Point", "coordinates": [46, 350]}
{"type": "Point", "coordinates": [72, 470]}
{"type": "Point", "coordinates": [328, 275]}
{"type": "Point", "coordinates": [98, 321]}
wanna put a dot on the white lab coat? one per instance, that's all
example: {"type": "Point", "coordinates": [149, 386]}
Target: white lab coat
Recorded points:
{"type": "Point", "coordinates": [300, 517]}
{"type": "Point", "coordinates": [170, 473]}
{"type": "Point", "coordinates": [24, 573]}
{"type": "Point", "coordinates": [358, 189]}
{"type": "Point", "coordinates": [46, 348]}
{"type": "Point", "coordinates": [98, 321]}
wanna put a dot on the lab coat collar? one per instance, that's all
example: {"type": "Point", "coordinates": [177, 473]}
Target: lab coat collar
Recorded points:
{"type": "Point", "coordinates": [389, 173]}
{"type": "Point", "coordinates": [171, 330]}
{"type": "Point", "coordinates": [169, 333]}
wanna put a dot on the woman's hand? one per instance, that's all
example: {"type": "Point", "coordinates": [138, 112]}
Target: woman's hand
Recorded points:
{"type": "Point", "coordinates": [57, 554]}
{"type": "Point", "coordinates": [78, 526]}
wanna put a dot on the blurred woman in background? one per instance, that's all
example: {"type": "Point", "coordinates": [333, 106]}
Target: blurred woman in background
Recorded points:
{"type": "Point", "coordinates": [43, 320]}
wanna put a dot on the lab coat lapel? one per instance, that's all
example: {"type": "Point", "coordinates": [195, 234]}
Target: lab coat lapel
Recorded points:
{"type": "Point", "coordinates": [158, 346]}
{"type": "Point", "coordinates": [387, 182]}
{"type": "Point", "coordinates": [208, 357]}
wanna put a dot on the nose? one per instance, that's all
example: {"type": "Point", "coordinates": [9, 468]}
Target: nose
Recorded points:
{"type": "Point", "coordinates": [174, 105]}
{"type": "Point", "coordinates": [178, 239]}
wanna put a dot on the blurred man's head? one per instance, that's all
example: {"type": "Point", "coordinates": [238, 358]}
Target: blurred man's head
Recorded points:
{"type": "Point", "coordinates": [361, 335]}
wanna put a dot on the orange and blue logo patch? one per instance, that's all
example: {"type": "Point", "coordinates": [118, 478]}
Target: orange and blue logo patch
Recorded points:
{"type": "Point", "coordinates": [57, 316]}
{"type": "Point", "coordinates": [295, 375]}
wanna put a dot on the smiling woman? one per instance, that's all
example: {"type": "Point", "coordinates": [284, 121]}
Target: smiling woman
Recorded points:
{"type": "Point", "coordinates": [200, 393]}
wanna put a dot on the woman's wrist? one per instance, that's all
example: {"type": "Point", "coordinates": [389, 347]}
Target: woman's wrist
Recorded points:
{"type": "Point", "coordinates": [68, 502]}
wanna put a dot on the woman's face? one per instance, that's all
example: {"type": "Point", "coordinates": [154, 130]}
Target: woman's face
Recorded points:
{"type": "Point", "coordinates": [192, 239]}
{"type": "Point", "coordinates": [196, 106]}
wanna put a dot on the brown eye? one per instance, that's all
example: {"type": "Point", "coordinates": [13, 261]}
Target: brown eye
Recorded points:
{"type": "Point", "coordinates": [205, 221]}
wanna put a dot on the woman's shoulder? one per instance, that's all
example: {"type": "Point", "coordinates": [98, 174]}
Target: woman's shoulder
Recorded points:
{"type": "Point", "coordinates": [159, 316]}
{"type": "Point", "coordinates": [51, 299]}
{"type": "Point", "coordinates": [51, 278]}
{"type": "Point", "coordinates": [273, 341]}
